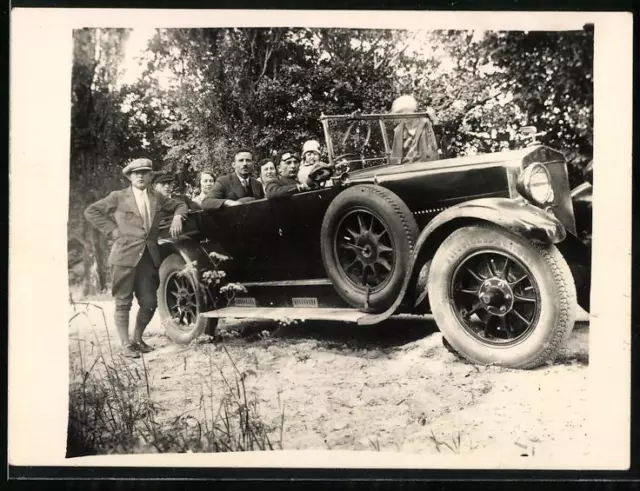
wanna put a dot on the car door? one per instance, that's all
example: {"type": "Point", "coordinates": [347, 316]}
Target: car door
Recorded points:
{"type": "Point", "coordinates": [298, 220]}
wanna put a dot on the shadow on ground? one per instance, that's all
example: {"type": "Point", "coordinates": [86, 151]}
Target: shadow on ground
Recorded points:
{"type": "Point", "coordinates": [387, 334]}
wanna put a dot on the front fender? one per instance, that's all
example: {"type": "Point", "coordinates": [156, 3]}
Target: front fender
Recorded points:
{"type": "Point", "coordinates": [582, 198]}
{"type": "Point", "coordinates": [516, 215]}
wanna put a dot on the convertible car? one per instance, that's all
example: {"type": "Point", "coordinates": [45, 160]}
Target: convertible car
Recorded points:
{"type": "Point", "coordinates": [495, 248]}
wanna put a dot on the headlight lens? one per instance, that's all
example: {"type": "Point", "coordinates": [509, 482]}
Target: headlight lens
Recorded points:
{"type": "Point", "coordinates": [535, 184]}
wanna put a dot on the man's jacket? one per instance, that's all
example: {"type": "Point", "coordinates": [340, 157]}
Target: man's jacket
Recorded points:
{"type": "Point", "coordinates": [230, 187]}
{"type": "Point", "coordinates": [119, 211]}
{"type": "Point", "coordinates": [283, 186]}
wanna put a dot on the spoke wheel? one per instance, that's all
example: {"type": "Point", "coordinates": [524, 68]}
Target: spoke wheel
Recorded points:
{"type": "Point", "coordinates": [495, 297]}
{"type": "Point", "coordinates": [180, 302]}
{"type": "Point", "coordinates": [501, 299]}
{"type": "Point", "coordinates": [365, 249]}
{"type": "Point", "coordinates": [367, 239]}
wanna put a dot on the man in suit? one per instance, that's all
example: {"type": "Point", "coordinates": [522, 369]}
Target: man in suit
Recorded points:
{"type": "Point", "coordinates": [287, 184]}
{"type": "Point", "coordinates": [413, 139]}
{"type": "Point", "coordinates": [237, 187]}
{"type": "Point", "coordinates": [131, 216]}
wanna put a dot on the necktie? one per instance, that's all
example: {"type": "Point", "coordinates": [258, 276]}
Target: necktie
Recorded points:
{"type": "Point", "coordinates": [247, 188]}
{"type": "Point", "coordinates": [146, 219]}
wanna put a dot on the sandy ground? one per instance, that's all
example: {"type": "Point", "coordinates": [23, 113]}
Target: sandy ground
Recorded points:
{"type": "Point", "coordinates": [390, 387]}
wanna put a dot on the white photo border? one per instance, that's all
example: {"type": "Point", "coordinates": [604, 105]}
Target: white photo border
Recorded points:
{"type": "Point", "coordinates": [40, 81]}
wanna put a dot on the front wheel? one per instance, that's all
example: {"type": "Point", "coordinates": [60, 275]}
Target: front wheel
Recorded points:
{"type": "Point", "coordinates": [180, 303]}
{"type": "Point", "coordinates": [501, 299]}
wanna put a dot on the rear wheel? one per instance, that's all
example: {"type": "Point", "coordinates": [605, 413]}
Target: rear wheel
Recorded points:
{"type": "Point", "coordinates": [367, 239]}
{"type": "Point", "coordinates": [180, 301]}
{"type": "Point", "coordinates": [501, 299]}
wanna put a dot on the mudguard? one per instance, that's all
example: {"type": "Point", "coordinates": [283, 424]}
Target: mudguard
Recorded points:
{"type": "Point", "coordinates": [190, 251]}
{"type": "Point", "coordinates": [516, 215]}
{"type": "Point", "coordinates": [582, 199]}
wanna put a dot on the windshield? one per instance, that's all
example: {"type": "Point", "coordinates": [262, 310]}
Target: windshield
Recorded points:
{"type": "Point", "coordinates": [364, 140]}
{"type": "Point", "coordinates": [357, 141]}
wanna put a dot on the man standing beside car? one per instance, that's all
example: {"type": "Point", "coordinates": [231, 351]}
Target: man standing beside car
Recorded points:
{"type": "Point", "coordinates": [237, 187]}
{"type": "Point", "coordinates": [132, 216]}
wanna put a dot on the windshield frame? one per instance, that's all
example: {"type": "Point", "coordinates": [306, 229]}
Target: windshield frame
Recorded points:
{"type": "Point", "coordinates": [325, 119]}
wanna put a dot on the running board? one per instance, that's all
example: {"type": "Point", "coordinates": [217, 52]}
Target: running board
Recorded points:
{"type": "Point", "coordinates": [298, 313]}
{"type": "Point", "coordinates": [278, 313]}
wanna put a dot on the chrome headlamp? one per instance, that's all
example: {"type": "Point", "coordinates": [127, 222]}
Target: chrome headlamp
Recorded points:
{"type": "Point", "coordinates": [534, 183]}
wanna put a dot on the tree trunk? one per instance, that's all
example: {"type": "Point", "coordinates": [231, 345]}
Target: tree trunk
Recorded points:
{"type": "Point", "coordinates": [101, 255]}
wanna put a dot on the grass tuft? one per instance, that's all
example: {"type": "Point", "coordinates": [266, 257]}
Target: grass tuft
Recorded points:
{"type": "Point", "coordinates": [111, 407]}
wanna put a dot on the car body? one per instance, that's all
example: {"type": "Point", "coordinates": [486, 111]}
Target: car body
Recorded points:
{"type": "Point", "coordinates": [372, 242]}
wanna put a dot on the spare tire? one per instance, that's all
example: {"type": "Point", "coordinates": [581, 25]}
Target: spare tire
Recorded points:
{"type": "Point", "coordinates": [367, 239]}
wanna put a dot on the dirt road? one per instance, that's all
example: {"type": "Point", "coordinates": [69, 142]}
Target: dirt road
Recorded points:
{"type": "Point", "coordinates": [389, 387]}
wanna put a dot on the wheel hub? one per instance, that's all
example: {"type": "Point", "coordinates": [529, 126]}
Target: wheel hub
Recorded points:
{"type": "Point", "coordinates": [368, 250]}
{"type": "Point", "coordinates": [496, 296]}
{"type": "Point", "coordinates": [364, 249]}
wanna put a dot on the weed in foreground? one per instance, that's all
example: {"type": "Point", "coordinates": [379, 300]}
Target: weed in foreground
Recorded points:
{"type": "Point", "coordinates": [454, 444]}
{"type": "Point", "coordinates": [111, 409]}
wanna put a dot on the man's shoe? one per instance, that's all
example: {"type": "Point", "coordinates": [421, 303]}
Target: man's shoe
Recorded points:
{"type": "Point", "coordinates": [129, 351]}
{"type": "Point", "coordinates": [144, 347]}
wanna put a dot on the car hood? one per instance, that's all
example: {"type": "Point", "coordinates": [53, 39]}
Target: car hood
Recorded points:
{"type": "Point", "coordinates": [539, 153]}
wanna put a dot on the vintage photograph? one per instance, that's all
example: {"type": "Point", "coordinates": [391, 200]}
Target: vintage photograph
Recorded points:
{"type": "Point", "coordinates": [292, 238]}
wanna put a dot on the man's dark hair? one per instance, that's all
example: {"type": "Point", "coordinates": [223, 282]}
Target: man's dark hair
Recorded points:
{"type": "Point", "coordinates": [282, 154]}
{"type": "Point", "coordinates": [242, 150]}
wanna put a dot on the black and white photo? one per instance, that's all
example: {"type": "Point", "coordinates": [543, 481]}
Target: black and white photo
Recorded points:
{"type": "Point", "coordinates": [366, 238]}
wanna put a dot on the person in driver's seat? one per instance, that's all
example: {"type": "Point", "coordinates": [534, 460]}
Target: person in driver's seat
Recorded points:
{"type": "Point", "coordinates": [413, 139]}
{"type": "Point", "coordinates": [287, 183]}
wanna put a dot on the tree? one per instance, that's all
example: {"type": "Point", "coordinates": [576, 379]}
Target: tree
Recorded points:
{"type": "Point", "coordinates": [265, 88]}
{"type": "Point", "coordinates": [551, 77]}
{"type": "Point", "coordinates": [100, 143]}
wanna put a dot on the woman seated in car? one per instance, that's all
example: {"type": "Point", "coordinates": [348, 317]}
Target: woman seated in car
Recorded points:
{"type": "Point", "coordinates": [267, 171]}
{"type": "Point", "coordinates": [413, 138]}
{"type": "Point", "coordinates": [206, 180]}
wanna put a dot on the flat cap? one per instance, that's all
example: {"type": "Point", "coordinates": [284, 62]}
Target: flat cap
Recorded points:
{"type": "Point", "coordinates": [137, 165]}
{"type": "Point", "coordinates": [161, 176]}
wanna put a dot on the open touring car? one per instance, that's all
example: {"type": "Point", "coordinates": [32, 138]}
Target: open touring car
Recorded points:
{"type": "Point", "coordinates": [496, 247]}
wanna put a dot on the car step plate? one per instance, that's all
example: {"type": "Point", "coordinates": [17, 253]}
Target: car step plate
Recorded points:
{"type": "Point", "coordinates": [277, 313]}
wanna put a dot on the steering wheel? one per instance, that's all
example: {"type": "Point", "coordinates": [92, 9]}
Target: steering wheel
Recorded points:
{"type": "Point", "coordinates": [348, 132]}
{"type": "Point", "coordinates": [358, 158]}
{"type": "Point", "coordinates": [320, 173]}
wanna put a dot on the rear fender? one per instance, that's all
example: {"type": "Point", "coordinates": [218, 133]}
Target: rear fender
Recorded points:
{"type": "Point", "coordinates": [516, 215]}
{"type": "Point", "coordinates": [191, 252]}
